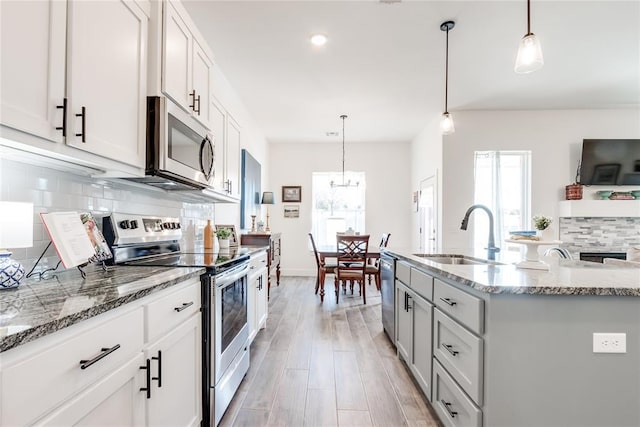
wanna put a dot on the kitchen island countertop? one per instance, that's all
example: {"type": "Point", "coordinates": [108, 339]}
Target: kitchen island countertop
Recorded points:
{"type": "Point", "coordinates": [564, 277]}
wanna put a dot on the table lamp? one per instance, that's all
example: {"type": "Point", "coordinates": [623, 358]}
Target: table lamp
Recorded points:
{"type": "Point", "coordinates": [16, 231]}
{"type": "Point", "coordinates": [268, 199]}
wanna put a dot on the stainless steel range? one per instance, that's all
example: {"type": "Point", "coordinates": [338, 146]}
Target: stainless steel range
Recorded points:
{"type": "Point", "coordinates": [141, 240]}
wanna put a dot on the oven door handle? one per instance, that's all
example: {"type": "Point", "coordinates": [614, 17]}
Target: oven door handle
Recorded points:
{"type": "Point", "coordinates": [231, 276]}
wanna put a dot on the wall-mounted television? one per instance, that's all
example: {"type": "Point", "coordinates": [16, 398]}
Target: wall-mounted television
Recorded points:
{"type": "Point", "coordinates": [610, 162]}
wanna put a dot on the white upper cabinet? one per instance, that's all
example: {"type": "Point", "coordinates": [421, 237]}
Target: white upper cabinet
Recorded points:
{"type": "Point", "coordinates": [186, 67]}
{"type": "Point", "coordinates": [218, 126]}
{"type": "Point", "coordinates": [202, 68]}
{"type": "Point", "coordinates": [106, 79]}
{"type": "Point", "coordinates": [32, 37]}
{"type": "Point", "coordinates": [76, 72]}
{"type": "Point", "coordinates": [234, 142]}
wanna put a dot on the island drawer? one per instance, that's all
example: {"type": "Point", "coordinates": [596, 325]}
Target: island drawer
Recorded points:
{"type": "Point", "coordinates": [460, 352]}
{"type": "Point", "coordinates": [403, 272]}
{"type": "Point", "coordinates": [166, 313]}
{"type": "Point", "coordinates": [463, 307]}
{"type": "Point", "coordinates": [452, 405]}
{"type": "Point", "coordinates": [422, 284]}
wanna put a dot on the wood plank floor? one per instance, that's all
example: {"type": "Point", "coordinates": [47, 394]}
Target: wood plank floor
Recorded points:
{"type": "Point", "coordinates": [325, 365]}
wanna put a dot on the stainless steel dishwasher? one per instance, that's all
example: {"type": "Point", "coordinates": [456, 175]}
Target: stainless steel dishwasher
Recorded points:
{"type": "Point", "coordinates": [387, 294]}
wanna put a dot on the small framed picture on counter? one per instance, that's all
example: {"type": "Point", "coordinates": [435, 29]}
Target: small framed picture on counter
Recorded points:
{"type": "Point", "coordinates": [292, 194]}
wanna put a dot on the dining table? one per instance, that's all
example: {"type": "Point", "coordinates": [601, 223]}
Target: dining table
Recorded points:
{"type": "Point", "coordinates": [331, 251]}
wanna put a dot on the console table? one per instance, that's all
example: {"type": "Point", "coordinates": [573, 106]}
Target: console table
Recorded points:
{"type": "Point", "coordinates": [272, 240]}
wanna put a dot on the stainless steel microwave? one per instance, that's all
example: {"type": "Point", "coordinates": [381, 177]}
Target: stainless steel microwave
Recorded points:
{"type": "Point", "coordinates": [180, 151]}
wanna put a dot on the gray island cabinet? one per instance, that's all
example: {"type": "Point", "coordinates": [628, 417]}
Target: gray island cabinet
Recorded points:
{"type": "Point", "coordinates": [492, 345]}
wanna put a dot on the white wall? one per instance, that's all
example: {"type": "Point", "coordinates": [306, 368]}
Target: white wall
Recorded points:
{"type": "Point", "coordinates": [554, 138]}
{"type": "Point", "coordinates": [388, 199]}
{"type": "Point", "coordinates": [426, 161]}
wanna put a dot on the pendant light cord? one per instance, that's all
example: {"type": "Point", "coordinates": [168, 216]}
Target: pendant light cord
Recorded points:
{"type": "Point", "coordinates": [343, 151]}
{"type": "Point", "coordinates": [446, 75]}
{"type": "Point", "coordinates": [528, 17]}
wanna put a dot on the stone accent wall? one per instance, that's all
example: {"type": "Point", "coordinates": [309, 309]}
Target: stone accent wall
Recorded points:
{"type": "Point", "coordinates": [582, 234]}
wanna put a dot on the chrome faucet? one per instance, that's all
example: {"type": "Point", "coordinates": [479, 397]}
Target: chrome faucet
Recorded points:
{"type": "Point", "coordinates": [562, 252]}
{"type": "Point", "coordinates": [491, 245]}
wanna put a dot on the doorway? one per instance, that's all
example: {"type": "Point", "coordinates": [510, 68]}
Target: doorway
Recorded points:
{"type": "Point", "coordinates": [428, 214]}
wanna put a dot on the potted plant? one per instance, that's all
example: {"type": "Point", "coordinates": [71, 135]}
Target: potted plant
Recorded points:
{"type": "Point", "coordinates": [542, 223]}
{"type": "Point", "coordinates": [223, 235]}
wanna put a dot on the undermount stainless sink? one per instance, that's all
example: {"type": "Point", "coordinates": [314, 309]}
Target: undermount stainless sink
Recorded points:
{"type": "Point", "coordinates": [455, 259]}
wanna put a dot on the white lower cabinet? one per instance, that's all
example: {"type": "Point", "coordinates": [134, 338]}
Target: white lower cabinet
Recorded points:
{"type": "Point", "coordinates": [257, 302]}
{"type": "Point", "coordinates": [102, 371]}
{"type": "Point", "coordinates": [175, 389]}
{"type": "Point", "coordinates": [115, 400]}
{"type": "Point", "coordinates": [414, 320]}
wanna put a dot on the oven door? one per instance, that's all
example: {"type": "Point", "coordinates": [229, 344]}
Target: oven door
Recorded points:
{"type": "Point", "coordinates": [231, 330]}
{"type": "Point", "coordinates": [180, 146]}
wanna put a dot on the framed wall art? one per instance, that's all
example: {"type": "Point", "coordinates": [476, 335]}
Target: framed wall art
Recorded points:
{"type": "Point", "coordinates": [292, 194]}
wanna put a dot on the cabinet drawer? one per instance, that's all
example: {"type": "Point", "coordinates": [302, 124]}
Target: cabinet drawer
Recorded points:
{"type": "Point", "coordinates": [453, 407]}
{"type": "Point", "coordinates": [168, 311]}
{"type": "Point", "coordinates": [403, 272]}
{"type": "Point", "coordinates": [460, 352]}
{"type": "Point", "coordinates": [258, 261]}
{"type": "Point", "coordinates": [463, 307]}
{"type": "Point", "coordinates": [422, 284]}
{"type": "Point", "coordinates": [28, 384]}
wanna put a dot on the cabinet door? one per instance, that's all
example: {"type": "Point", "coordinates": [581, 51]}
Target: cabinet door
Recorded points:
{"type": "Point", "coordinates": [252, 291]}
{"type": "Point", "coordinates": [218, 126]}
{"type": "Point", "coordinates": [233, 157]}
{"type": "Point", "coordinates": [261, 299]}
{"type": "Point", "coordinates": [106, 78]}
{"type": "Point", "coordinates": [175, 362]}
{"type": "Point", "coordinates": [202, 66]}
{"type": "Point", "coordinates": [115, 400]}
{"type": "Point", "coordinates": [177, 57]}
{"type": "Point", "coordinates": [404, 328]}
{"type": "Point", "coordinates": [422, 343]}
{"type": "Point", "coordinates": [32, 68]}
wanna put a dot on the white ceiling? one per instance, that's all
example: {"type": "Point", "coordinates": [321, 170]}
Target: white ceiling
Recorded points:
{"type": "Point", "coordinates": [383, 65]}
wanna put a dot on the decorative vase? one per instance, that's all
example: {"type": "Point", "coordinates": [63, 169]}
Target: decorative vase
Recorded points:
{"type": "Point", "coordinates": [546, 235]}
{"type": "Point", "coordinates": [573, 191]}
{"type": "Point", "coordinates": [224, 243]}
{"type": "Point", "coordinates": [11, 271]}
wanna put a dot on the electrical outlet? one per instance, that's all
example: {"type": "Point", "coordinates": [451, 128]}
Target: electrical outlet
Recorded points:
{"type": "Point", "coordinates": [609, 343]}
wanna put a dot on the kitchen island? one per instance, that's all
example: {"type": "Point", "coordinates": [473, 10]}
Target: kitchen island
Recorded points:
{"type": "Point", "coordinates": [494, 345]}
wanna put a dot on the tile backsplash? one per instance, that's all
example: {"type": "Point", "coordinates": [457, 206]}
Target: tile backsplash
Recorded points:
{"type": "Point", "coordinates": [52, 190]}
{"type": "Point", "coordinates": [591, 234]}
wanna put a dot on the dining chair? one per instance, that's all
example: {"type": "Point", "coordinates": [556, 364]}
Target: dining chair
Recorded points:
{"type": "Point", "coordinates": [324, 268]}
{"type": "Point", "coordinates": [373, 264]}
{"type": "Point", "coordinates": [352, 262]}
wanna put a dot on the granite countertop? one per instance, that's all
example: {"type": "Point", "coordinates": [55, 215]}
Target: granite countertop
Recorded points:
{"type": "Point", "coordinates": [40, 307]}
{"type": "Point", "coordinates": [564, 277]}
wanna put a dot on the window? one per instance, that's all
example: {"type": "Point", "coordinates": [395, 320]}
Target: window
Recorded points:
{"type": "Point", "coordinates": [339, 208]}
{"type": "Point", "coordinates": [502, 183]}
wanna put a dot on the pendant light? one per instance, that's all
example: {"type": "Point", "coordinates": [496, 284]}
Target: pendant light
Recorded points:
{"type": "Point", "coordinates": [446, 125]}
{"type": "Point", "coordinates": [529, 57]}
{"type": "Point", "coordinates": [347, 183]}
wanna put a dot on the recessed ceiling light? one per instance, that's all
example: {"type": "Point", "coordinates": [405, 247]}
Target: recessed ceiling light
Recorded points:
{"type": "Point", "coordinates": [318, 39]}
{"type": "Point", "coordinates": [333, 133]}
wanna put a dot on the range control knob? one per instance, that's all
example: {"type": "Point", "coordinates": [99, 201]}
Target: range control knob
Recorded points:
{"type": "Point", "coordinates": [134, 224]}
{"type": "Point", "coordinates": [178, 225]}
{"type": "Point", "coordinates": [165, 225]}
{"type": "Point", "coordinates": [125, 224]}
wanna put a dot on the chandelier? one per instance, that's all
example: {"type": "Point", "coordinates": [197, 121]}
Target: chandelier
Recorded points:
{"type": "Point", "coordinates": [346, 183]}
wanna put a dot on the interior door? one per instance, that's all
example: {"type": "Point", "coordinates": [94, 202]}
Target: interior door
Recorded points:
{"type": "Point", "coordinates": [428, 205]}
